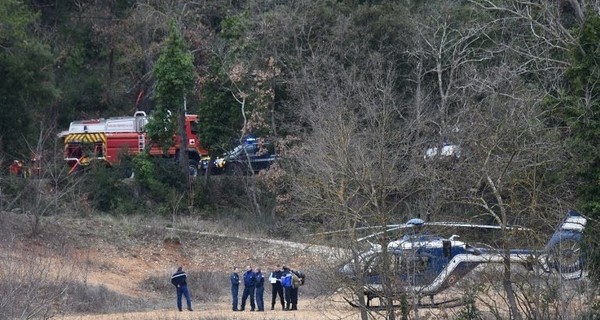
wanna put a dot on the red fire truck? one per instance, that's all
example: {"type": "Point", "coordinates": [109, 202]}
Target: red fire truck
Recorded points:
{"type": "Point", "coordinates": [108, 139]}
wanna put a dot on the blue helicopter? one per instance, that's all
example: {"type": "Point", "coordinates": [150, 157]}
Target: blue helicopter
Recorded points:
{"type": "Point", "coordinates": [426, 265]}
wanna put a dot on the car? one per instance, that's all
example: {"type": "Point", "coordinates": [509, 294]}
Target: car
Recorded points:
{"type": "Point", "coordinates": [251, 156]}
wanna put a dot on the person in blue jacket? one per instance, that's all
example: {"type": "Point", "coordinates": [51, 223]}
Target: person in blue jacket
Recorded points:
{"type": "Point", "coordinates": [260, 289]}
{"type": "Point", "coordinates": [179, 281]}
{"type": "Point", "coordinates": [249, 287]}
{"type": "Point", "coordinates": [235, 287]}
{"type": "Point", "coordinates": [290, 280]}
{"type": "Point", "coordinates": [286, 283]}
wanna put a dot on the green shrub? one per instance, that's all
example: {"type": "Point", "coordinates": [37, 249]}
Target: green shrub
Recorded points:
{"type": "Point", "coordinates": [158, 176]}
{"type": "Point", "coordinates": [107, 192]}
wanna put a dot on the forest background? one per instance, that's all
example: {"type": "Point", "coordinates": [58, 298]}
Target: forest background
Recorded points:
{"type": "Point", "coordinates": [352, 93]}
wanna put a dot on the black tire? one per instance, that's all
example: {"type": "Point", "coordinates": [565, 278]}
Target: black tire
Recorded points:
{"type": "Point", "coordinates": [128, 172]}
{"type": "Point", "coordinates": [193, 168]}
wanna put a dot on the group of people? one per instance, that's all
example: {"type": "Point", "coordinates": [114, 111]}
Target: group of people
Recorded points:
{"type": "Point", "coordinates": [284, 283]}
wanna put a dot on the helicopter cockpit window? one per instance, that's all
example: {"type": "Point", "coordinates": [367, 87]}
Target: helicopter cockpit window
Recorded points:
{"type": "Point", "coordinates": [416, 261]}
{"type": "Point", "coordinates": [374, 265]}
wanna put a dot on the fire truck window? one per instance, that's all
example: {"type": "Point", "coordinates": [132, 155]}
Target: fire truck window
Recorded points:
{"type": "Point", "coordinates": [87, 149]}
{"type": "Point", "coordinates": [74, 150]}
{"type": "Point", "coordinates": [98, 149]}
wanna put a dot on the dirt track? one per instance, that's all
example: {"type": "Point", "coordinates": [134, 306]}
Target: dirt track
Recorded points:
{"type": "Point", "coordinates": [308, 310]}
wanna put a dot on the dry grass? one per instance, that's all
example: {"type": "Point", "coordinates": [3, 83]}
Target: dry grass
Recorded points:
{"type": "Point", "coordinates": [309, 310]}
{"type": "Point", "coordinates": [105, 267]}
{"type": "Point", "coordinates": [123, 264]}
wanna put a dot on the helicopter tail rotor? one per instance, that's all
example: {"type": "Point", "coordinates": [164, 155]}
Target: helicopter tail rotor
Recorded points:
{"type": "Point", "coordinates": [564, 253]}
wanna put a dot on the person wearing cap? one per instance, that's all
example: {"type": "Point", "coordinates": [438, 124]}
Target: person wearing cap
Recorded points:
{"type": "Point", "coordinates": [235, 287]}
{"type": "Point", "coordinates": [260, 289]}
{"type": "Point", "coordinates": [249, 287]}
{"type": "Point", "coordinates": [276, 288]}
{"type": "Point", "coordinates": [179, 280]}
{"type": "Point", "coordinates": [290, 280]}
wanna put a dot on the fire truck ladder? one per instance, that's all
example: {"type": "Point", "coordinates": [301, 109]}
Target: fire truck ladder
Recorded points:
{"type": "Point", "coordinates": [141, 142]}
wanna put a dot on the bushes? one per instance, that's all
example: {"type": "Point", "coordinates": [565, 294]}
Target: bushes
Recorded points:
{"type": "Point", "coordinates": [160, 187]}
{"type": "Point", "coordinates": [40, 284]}
{"type": "Point", "coordinates": [155, 180]}
{"type": "Point", "coordinates": [82, 298]}
{"type": "Point", "coordinates": [157, 175]}
{"type": "Point", "coordinates": [107, 191]}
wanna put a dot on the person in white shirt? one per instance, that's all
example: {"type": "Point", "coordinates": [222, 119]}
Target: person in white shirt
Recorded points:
{"type": "Point", "coordinates": [276, 287]}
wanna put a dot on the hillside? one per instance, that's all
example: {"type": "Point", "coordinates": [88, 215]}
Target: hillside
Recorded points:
{"type": "Point", "coordinates": [126, 263]}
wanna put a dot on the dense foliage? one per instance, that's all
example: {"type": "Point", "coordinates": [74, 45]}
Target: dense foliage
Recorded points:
{"type": "Point", "coordinates": [27, 90]}
{"type": "Point", "coordinates": [313, 76]}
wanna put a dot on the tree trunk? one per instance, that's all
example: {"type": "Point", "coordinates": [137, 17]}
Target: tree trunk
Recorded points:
{"type": "Point", "coordinates": [184, 158]}
{"type": "Point", "coordinates": [507, 285]}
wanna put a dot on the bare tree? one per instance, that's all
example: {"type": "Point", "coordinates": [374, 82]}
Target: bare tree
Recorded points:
{"type": "Point", "coordinates": [497, 118]}
{"type": "Point", "coordinates": [355, 167]}
{"type": "Point", "coordinates": [45, 182]}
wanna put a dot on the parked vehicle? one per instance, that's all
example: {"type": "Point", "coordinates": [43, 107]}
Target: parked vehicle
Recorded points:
{"type": "Point", "coordinates": [251, 156]}
{"type": "Point", "coordinates": [108, 139]}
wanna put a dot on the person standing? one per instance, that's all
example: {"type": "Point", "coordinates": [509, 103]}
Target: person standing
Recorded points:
{"type": "Point", "coordinates": [276, 288]}
{"type": "Point", "coordinates": [286, 283]}
{"type": "Point", "coordinates": [179, 280]}
{"type": "Point", "coordinates": [260, 289]}
{"type": "Point", "coordinates": [249, 286]}
{"type": "Point", "coordinates": [235, 287]}
{"type": "Point", "coordinates": [297, 281]}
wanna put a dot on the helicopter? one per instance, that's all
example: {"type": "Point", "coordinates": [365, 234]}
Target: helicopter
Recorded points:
{"type": "Point", "coordinates": [425, 265]}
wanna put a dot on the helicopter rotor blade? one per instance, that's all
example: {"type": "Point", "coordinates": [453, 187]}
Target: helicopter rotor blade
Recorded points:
{"type": "Point", "coordinates": [346, 230]}
{"type": "Point", "coordinates": [394, 227]}
{"type": "Point", "coordinates": [476, 226]}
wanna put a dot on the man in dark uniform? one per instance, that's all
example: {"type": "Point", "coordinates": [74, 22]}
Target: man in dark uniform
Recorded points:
{"type": "Point", "coordinates": [260, 289]}
{"type": "Point", "coordinates": [249, 286]}
{"type": "Point", "coordinates": [179, 281]}
{"type": "Point", "coordinates": [235, 287]}
{"type": "Point", "coordinates": [276, 288]}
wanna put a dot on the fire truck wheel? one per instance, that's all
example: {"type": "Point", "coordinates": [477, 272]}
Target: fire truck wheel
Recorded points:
{"type": "Point", "coordinates": [128, 172]}
{"type": "Point", "coordinates": [193, 168]}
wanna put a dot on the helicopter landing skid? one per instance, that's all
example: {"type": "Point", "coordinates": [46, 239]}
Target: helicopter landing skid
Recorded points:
{"type": "Point", "coordinates": [452, 303]}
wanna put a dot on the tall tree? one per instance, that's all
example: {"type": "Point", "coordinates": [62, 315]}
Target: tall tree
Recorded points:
{"type": "Point", "coordinates": [26, 88]}
{"type": "Point", "coordinates": [577, 107]}
{"type": "Point", "coordinates": [174, 79]}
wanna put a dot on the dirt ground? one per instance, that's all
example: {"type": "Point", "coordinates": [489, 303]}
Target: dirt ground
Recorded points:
{"type": "Point", "coordinates": [309, 310]}
{"type": "Point", "coordinates": [121, 254]}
